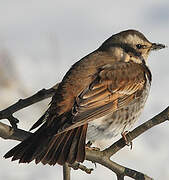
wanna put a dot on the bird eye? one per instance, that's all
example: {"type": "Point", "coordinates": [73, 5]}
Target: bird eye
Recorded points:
{"type": "Point", "coordinates": [139, 46]}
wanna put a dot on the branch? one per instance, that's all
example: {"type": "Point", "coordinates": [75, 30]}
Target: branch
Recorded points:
{"type": "Point", "coordinates": [22, 103]}
{"type": "Point", "coordinates": [120, 171]}
{"type": "Point", "coordinates": [77, 166]}
{"type": "Point", "coordinates": [7, 132]}
{"type": "Point", "coordinates": [66, 172]}
{"type": "Point", "coordinates": [118, 145]}
{"type": "Point", "coordinates": [101, 157]}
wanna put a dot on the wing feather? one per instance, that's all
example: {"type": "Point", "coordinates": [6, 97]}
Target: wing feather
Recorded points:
{"type": "Point", "coordinates": [113, 88]}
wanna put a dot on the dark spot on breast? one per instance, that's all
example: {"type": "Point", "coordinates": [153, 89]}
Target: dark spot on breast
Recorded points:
{"type": "Point", "coordinates": [133, 118]}
{"type": "Point", "coordinates": [127, 116]}
{"type": "Point", "coordinates": [122, 121]}
{"type": "Point", "coordinates": [113, 116]}
{"type": "Point", "coordinates": [101, 129]}
{"type": "Point", "coordinates": [129, 121]}
{"type": "Point", "coordinates": [109, 123]}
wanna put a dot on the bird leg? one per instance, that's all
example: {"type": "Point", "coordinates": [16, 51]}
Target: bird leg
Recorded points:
{"type": "Point", "coordinates": [128, 143]}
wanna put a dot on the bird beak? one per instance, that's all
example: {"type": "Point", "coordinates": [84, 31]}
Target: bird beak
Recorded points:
{"type": "Point", "coordinates": [155, 46]}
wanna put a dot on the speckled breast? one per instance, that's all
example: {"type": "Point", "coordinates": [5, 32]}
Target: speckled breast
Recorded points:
{"type": "Point", "coordinates": [119, 121]}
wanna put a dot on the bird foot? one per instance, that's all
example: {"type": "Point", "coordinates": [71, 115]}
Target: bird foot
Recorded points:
{"type": "Point", "coordinates": [127, 141]}
{"type": "Point", "coordinates": [88, 146]}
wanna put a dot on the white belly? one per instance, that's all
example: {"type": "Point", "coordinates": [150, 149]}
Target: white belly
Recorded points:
{"type": "Point", "coordinates": [117, 122]}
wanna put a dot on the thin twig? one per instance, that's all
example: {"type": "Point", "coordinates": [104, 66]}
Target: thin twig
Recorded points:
{"type": "Point", "coordinates": [22, 103]}
{"type": "Point", "coordinates": [120, 177]}
{"type": "Point", "coordinates": [7, 132]}
{"type": "Point", "coordinates": [119, 170]}
{"type": "Point", "coordinates": [118, 145]}
{"type": "Point", "coordinates": [91, 155]}
{"type": "Point", "coordinates": [77, 166]}
{"type": "Point", "coordinates": [135, 174]}
{"type": "Point", "coordinates": [101, 157]}
{"type": "Point", "coordinates": [66, 172]}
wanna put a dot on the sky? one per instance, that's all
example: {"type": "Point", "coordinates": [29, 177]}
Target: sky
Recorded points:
{"type": "Point", "coordinates": [44, 38]}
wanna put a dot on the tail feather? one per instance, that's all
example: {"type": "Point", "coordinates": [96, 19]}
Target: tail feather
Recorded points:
{"type": "Point", "coordinates": [57, 148]}
{"type": "Point", "coordinates": [41, 120]}
{"type": "Point", "coordinates": [25, 150]}
{"type": "Point", "coordinates": [53, 145]}
{"type": "Point", "coordinates": [82, 142]}
{"type": "Point", "coordinates": [68, 146]}
{"type": "Point", "coordinates": [67, 152]}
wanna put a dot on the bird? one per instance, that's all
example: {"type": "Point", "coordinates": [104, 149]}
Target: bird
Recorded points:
{"type": "Point", "coordinates": [101, 96]}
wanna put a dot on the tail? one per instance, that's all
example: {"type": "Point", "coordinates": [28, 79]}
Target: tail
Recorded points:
{"type": "Point", "coordinates": [68, 146]}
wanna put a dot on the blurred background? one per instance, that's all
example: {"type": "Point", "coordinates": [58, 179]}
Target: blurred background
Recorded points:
{"type": "Point", "coordinates": [40, 40]}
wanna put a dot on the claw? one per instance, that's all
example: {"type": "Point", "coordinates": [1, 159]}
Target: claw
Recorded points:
{"type": "Point", "coordinates": [128, 143]}
{"type": "Point", "coordinates": [13, 121]}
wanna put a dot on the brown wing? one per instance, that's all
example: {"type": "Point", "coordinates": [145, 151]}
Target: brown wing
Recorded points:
{"type": "Point", "coordinates": [64, 140]}
{"type": "Point", "coordinates": [113, 88]}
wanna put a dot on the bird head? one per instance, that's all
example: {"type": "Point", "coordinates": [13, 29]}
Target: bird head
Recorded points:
{"type": "Point", "coordinates": [132, 43]}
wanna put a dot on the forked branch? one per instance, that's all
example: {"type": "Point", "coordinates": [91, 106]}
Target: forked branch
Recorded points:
{"type": "Point", "coordinates": [101, 157]}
